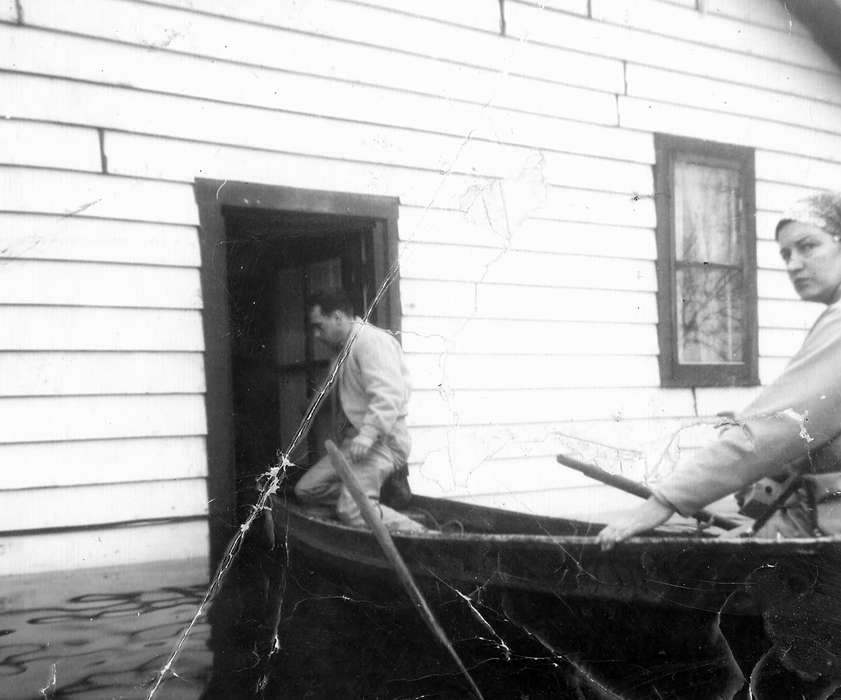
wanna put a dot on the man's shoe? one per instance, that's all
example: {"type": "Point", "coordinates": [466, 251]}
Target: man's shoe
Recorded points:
{"type": "Point", "coordinates": [395, 492]}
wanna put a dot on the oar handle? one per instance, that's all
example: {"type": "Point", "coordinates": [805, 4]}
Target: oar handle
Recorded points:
{"type": "Point", "coordinates": [620, 482]}
{"type": "Point", "coordinates": [637, 489]}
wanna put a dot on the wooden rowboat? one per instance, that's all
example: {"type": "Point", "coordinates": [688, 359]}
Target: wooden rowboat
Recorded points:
{"type": "Point", "coordinates": [675, 594]}
{"type": "Point", "coordinates": [476, 547]}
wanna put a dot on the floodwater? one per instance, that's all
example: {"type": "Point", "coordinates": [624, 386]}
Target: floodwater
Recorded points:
{"type": "Point", "coordinates": [101, 633]}
{"type": "Point", "coordinates": [106, 633]}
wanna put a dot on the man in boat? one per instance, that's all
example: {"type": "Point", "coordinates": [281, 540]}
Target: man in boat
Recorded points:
{"type": "Point", "coordinates": [373, 391]}
{"type": "Point", "coordinates": [793, 423]}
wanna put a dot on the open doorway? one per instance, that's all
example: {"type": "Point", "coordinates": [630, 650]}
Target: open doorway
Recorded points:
{"type": "Point", "coordinates": [276, 261]}
{"type": "Point", "coordinates": [266, 250]}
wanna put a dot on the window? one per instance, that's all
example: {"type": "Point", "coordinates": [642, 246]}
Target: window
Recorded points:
{"type": "Point", "coordinates": [706, 271]}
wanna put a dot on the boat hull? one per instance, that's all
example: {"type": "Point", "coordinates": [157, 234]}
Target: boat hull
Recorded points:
{"type": "Point", "coordinates": [490, 550]}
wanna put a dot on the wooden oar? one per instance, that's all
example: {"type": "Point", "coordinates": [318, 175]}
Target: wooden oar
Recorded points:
{"type": "Point", "coordinates": [380, 531]}
{"type": "Point", "coordinates": [637, 489]}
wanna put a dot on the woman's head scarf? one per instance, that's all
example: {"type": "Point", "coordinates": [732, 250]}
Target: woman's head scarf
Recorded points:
{"type": "Point", "coordinates": [822, 210]}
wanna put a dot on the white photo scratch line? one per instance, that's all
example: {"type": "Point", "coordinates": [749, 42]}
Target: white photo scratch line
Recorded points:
{"type": "Point", "coordinates": [48, 690]}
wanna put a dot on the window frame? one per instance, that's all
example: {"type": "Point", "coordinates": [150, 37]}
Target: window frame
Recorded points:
{"type": "Point", "coordinates": [673, 373]}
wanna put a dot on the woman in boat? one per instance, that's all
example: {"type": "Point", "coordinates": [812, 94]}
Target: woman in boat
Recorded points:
{"type": "Point", "coordinates": [795, 418]}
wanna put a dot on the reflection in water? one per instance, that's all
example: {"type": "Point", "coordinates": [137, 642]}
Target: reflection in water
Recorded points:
{"type": "Point", "coordinates": [106, 633]}
{"type": "Point", "coordinates": [101, 633]}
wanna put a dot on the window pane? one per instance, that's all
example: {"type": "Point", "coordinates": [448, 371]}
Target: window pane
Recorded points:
{"type": "Point", "coordinates": [707, 213]}
{"type": "Point", "coordinates": [710, 315]}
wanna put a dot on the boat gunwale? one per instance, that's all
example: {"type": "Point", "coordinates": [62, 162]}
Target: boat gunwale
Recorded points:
{"type": "Point", "coordinates": [798, 545]}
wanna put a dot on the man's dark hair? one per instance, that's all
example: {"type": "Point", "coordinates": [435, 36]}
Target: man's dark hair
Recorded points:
{"type": "Point", "coordinates": [331, 300]}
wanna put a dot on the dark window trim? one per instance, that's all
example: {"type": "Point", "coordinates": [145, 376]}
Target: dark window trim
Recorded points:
{"type": "Point", "coordinates": [212, 197]}
{"type": "Point", "coordinates": [673, 374]}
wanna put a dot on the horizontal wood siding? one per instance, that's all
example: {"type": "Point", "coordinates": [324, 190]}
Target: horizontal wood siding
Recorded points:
{"type": "Point", "coordinates": [32, 553]}
{"type": "Point", "coordinates": [353, 39]}
{"type": "Point", "coordinates": [100, 349]}
{"type": "Point", "coordinates": [632, 439]}
{"type": "Point", "coordinates": [113, 461]}
{"type": "Point", "coordinates": [101, 196]}
{"type": "Point", "coordinates": [8, 11]}
{"type": "Point", "coordinates": [515, 406]}
{"type": "Point", "coordinates": [50, 283]}
{"type": "Point", "coordinates": [452, 336]}
{"type": "Point", "coordinates": [99, 328]}
{"type": "Point", "coordinates": [769, 14]}
{"type": "Point", "coordinates": [76, 374]}
{"type": "Point", "coordinates": [421, 224]}
{"type": "Point", "coordinates": [522, 302]}
{"type": "Point", "coordinates": [697, 28]}
{"type": "Point", "coordinates": [41, 237]}
{"type": "Point", "coordinates": [523, 164]}
{"type": "Point", "coordinates": [52, 418]}
{"type": "Point", "coordinates": [50, 145]}
{"type": "Point", "coordinates": [477, 14]}
{"type": "Point", "coordinates": [473, 264]}
{"type": "Point", "coordinates": [768, 64]}
{"type": "Point", "coordinates": [78, 506]}
{"type": "Point", "coordinates": [534, 372]}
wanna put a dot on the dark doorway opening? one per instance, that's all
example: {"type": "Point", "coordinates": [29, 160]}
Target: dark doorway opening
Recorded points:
{"type": "Point", "coordinates": [265, 250]}
{"type": "Point", "coordinates": [276, 261]}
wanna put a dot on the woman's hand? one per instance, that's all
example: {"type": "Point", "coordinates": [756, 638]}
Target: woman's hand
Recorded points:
{"type": "Point", "coordinates": [646, 517]}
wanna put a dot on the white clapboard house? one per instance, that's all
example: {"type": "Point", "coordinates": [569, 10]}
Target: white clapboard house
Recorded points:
{"type": "Point", "coordinates": [581, 195]}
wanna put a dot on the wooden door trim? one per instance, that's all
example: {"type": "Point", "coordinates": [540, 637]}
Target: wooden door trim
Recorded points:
{"type": "Point", "coordinates": [213, 197]}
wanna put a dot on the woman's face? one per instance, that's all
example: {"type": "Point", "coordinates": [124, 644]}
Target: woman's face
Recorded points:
{"type": "Point", "coordinates": [813, 260]}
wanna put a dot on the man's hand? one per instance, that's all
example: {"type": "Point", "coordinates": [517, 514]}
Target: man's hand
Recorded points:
{"type": "Point", "coordinates": [359, 447]}
{"type": "Point", "coordinates": [646, 517]}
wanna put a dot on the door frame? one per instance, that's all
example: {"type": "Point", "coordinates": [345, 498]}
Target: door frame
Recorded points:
{"type": "Point", "coordinates": [213, 197]}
